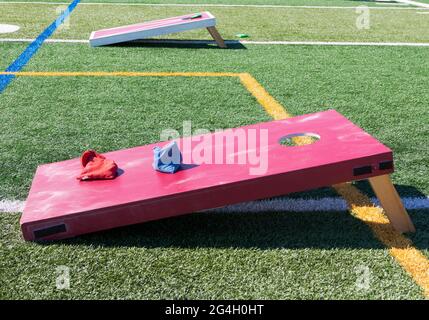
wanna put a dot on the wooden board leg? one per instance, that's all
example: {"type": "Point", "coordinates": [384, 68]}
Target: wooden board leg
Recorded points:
{"type": "Point", "coordinates": [391, 203]}
{"type": "Point", "coordinates": [217, 37]}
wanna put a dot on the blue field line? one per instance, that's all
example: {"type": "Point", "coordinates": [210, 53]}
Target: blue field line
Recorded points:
{"type": "Point", "coordinates": [32, 48]}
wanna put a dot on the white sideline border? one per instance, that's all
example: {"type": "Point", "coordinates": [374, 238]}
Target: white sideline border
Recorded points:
{"type": "Point", "coordinates": [313, 43]}
{"type": "Point", "coordinates": [217, 5]}
{"type": "Point", "coordinates": [277, 205]}
{"type": "Point", "coordinates": [414, 3]}
{"type": "Point", "coordinates": [334, 43]}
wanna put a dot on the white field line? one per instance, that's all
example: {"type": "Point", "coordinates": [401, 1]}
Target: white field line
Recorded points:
{"type": "Point", "coordinates": [414, 3]}
{"type": "Point", "coordinates": [11, 205]}
{"type": "Point", "coordinates": [312, 43]}
{"type": "Point", "coordinates": [311, 205]}
{"type": "Point", "coordinates": [208, 5]}
{"type": "Point", "coordinates": [334, 43]}
{"type": "Point", "coordinates": [279, 205]}
{"type": "Point", "coordinates": [47, 40]}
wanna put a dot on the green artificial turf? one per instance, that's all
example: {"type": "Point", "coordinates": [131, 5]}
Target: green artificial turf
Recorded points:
{"type": "Point", "coordinates": [370, 85]}
{"type": "Point", "coordinates": [209, 256]}
{"type": "Point", "coordinates": [294, 24]}
{"type": "Point", "coordinates": [270, 255]}
{"type": "Point", "coordinates": [277, 255]}
{"type": "Point", "coordinates": [9, 52]}
{"type": "Point", "coordinates": [276, 24]}
{"type": "Point", "coordinates": [67, 115]}
{"type": "Point", "coordinates": [31, 18]}
{"type": "Point", "coordinates": [239, 2]}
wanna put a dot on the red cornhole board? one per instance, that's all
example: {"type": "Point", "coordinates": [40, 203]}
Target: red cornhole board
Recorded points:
{"type": "Point", "coordinates": [59, 206]}
{"type": "Point", "coordinates": [157, 28]}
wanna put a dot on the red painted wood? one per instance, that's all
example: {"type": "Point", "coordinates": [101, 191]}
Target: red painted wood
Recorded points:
{"type": "Point", "coordinates": [141, 194]}
{"type": "Point", "coordinates": [173, 21]}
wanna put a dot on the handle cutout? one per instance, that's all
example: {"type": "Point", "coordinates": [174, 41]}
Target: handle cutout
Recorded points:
{"type": "Point", "coordinates": [41, 233]}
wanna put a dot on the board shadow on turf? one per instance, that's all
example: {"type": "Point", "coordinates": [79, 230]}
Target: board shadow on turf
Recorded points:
{"type": "Point", "coordinates": [420, 238]}
{"type": "Point", "coordinates": [262, 230]}
{"type": "Point", "coordinates": [403, 190]}
{"type": "Point", "coordinates": [180, 44]}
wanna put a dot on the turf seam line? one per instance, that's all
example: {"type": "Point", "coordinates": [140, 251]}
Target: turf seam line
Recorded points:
{"type": "Point", "coordinates": [34, 46]}
{"type": "Point", "coordinates": [232, 42]}
{"type": "Point", "coordinates": [213, 5]}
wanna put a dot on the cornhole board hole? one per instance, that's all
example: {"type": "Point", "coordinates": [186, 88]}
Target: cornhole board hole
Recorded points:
{"type": "Point", "coordinates": [59, 206]}
{"type": "Point", "coordinates": [157, 28]}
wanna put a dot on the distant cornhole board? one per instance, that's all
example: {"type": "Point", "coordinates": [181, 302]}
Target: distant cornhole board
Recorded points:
{"type": "Point", "coordinates": [157, 28]}
{"type": "Point", "coordinates": [59, 206]}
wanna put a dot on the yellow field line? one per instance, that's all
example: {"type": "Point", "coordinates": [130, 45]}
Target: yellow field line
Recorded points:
{"type": "Point", "coordinates": [119, 74]}
{"type": "Point", "coordinates": [271, 106]}
{"type": "Point", "coordinates": [400, 247]}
